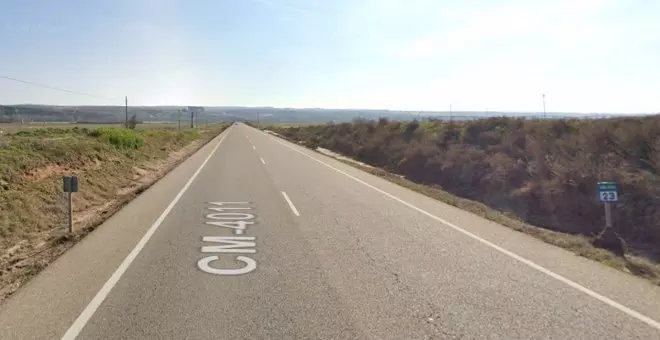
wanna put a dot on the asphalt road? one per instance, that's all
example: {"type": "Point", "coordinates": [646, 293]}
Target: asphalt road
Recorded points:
{"type": "Point", "coordinates": [312, 248]}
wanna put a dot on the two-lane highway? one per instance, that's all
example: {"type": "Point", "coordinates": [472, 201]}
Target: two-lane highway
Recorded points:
{"type": "Point", "coordinates": [221, 266]}
{"type": "Point", "coordinates": [257, 238]}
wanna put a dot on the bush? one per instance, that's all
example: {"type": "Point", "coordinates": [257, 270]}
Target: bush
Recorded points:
{"type": "Point", "coordinates": [118, 137]}
{"type": "Point", "coordinates": [51, 132]}
{"type": "Point", "coordinates": [543, 171]}
{"type": "Point", "coordinates": [132, 123]}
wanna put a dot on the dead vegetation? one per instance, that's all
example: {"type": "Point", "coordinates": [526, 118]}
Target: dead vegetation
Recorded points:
{"type": "Point", "coordinates": [536, 176]}
{"type": "Point", "coordinates": [113, 165]}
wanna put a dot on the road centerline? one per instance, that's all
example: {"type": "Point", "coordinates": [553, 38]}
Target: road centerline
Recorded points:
{"type": "Point", "coordinates": [293, 207]}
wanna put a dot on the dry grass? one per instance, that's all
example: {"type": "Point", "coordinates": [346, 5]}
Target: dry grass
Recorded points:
{"type": "Point", "coordinates": [577, 244]}
{"type": "Point", "coordinates": [544, 172]}
{"type": "Point", "coordinates": [111, 173]}
{"type": "Point", "coordinates": [16, 127]}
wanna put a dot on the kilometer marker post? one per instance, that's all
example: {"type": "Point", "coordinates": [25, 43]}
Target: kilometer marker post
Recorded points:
{"type": "Point", "coordinates": [70, 185]}
{"type": "Point", "coordinates": [608, 192]}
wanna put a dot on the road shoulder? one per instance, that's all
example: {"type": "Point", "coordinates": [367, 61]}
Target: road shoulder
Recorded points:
{"type": "Point", "coordinates": [56, 296]}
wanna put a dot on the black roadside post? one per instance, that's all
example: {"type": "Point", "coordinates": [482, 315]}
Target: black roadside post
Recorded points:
{"type": "Point", "coordinates": [70, 185]}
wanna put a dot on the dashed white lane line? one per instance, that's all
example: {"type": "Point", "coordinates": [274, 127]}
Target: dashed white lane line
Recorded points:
{"type": "Point", "coordinates": [254, 147]}
{"type": "Point", "coordinates": [293, 207]}
{"type": "Point", "coordinates": [262, 161]}
{"type": "Point", "coordinates": [93, 305]}
{"type": "Point", "coordinates": [637, 315]}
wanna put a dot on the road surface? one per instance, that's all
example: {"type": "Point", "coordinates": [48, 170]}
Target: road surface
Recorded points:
{"type": "Point", "coordinates": [254, 237]}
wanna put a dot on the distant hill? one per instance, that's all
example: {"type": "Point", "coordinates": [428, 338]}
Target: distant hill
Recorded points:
{"type": "Point", "coordinates": [113, 114]}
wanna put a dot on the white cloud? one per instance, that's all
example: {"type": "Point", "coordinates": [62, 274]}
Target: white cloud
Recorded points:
{"type": "Point", "coordinates": [464, 29]}
{"type": "Point", "coordinates": [586, 55]}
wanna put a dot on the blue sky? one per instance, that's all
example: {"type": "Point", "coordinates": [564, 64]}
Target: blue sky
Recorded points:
{"type": "Point", "coordinates": [585, 55]}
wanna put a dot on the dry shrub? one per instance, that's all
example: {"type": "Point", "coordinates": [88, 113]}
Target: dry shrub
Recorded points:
{"type": "Point", "coordinates": [542, 171]}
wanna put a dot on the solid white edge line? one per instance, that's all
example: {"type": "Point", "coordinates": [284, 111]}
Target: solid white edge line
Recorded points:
{"type": "Point", "coordinates": [577, 286]}
{"type": "Point", "coordinates": [293, 207]}
{"type": "Point", "coordinates": [262, 161]}
{"type": "Point", "coordinates": [93, 305]}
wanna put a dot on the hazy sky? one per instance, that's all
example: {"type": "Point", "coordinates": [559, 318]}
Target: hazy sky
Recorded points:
{"type": "Point", "coordinates": [585, 55]}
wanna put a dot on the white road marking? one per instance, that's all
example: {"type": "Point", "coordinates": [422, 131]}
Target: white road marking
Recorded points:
{"type": "Point", "coordinates": [229, 216]}
{"type": "Point", "coordinates": [577, 286]}
{"type": "Point", "coordinates": [93, 305]}
{"type": "Point", "coordinates": [254, 147]}
{"type": "Point", "coordinates": [205, 265]}
{"type": "Point", "coordinates": [225, 209]}
{"type": "Point", "coordinates": [238, 226]}
{"type": "Point", "coordinates": [293, 207]}
{"type": "Point", "coordinates": [223, 203]}
{"type": "Point", "coordinates": [262, 161]}
{"type": "Point", "coordinates": [231, 243]}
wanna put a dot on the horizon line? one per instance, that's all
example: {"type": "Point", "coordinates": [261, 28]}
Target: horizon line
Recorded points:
{"type": "Point", "coordinates": [350, 109]}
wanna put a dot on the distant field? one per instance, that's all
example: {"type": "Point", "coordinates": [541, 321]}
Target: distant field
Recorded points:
{"type": "Point", "coordinates": [290, 124]}
{"type": "Point", "coordinates": [16, 127]}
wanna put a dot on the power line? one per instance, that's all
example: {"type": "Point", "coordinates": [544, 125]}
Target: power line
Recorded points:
{"type": "Point", "coordinates": [56, 88]}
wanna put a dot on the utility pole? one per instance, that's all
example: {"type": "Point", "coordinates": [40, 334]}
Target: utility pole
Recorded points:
{"type": "Point", "coordinates": [126, 110]}
{"type": "Point", "coordinates": [192, 117]}
{"type": "Point", "coordinates": [543, 98]}
{"type": "Point", "coordinates": [18, 116]}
